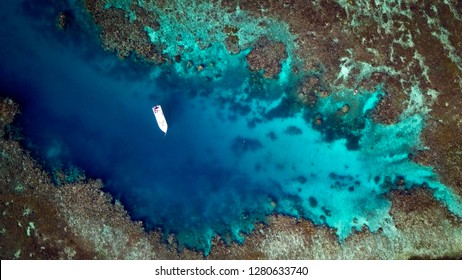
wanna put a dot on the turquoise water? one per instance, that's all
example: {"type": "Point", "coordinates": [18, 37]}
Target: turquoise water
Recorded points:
{"type": "Point", "coordinates": [236, 149]}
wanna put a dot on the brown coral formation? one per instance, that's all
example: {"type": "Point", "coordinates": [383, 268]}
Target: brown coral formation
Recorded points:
{"type": "Point", "coordinates": [124, 37]}
{"type": "Point", "coordinates": [232, 39]}
{"type": "Point", "coordinates": [390, 106]}
{"type": "Point", "coordinates": [310, 90]}
{"type": "Point", "coordinates": [267, 56]}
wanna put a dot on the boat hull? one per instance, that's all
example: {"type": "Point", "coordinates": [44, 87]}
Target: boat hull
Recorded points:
{"type": "Point", "coordinates": [160, 118]}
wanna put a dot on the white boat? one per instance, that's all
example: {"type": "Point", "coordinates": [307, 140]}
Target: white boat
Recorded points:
{"type": "Point", "coordinates": [160, 118]}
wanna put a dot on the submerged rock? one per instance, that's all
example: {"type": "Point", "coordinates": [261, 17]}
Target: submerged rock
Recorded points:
{"type": "Point", "coordinates": [342, 111]}
{"type": "Point", "coordinates": [62, 20]}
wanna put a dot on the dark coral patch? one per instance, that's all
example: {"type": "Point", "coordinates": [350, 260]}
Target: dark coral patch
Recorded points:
{"type": "Point", "coordinates": [313, 202]}
{"type": "Point", "coordinates": [301, 179]}
{"type": "Point", "coordinates": [241, 144]}
{"type": "Point", "coordinates": [334, 127]}
{"type": "Point", "coordinates": [271, 135]}
{"type": "Point", "coordinates": [288, 107]}
{"type": "Point", "coordinates": [293, 130]}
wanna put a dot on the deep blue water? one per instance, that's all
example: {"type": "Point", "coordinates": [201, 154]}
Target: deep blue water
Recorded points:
{"type": "Point", "coordinates": [226, 161]}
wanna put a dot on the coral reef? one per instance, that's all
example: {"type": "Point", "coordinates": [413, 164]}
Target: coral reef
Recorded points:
{"type": "Point", "coordinates": [424, 229]}
{"type": "Point", "coordinates": [412, 48]}
{"type": "Point", "coordinates": [123, 35]}
{"type": "Point", "coordinates": [267, 56]}
{"type": "Point", "coordinates": [339, 53]}
{"type": "Point", "coordinates": [361, 45]}
{"type": "Point", "coordinates": [79, 221]}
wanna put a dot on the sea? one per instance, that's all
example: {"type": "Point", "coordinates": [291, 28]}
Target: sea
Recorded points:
{"type": "Point", "coordinates": [239, 147]}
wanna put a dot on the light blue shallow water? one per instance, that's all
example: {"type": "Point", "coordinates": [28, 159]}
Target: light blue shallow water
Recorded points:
{"type": "Point", "coordinates": [224, 164]}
